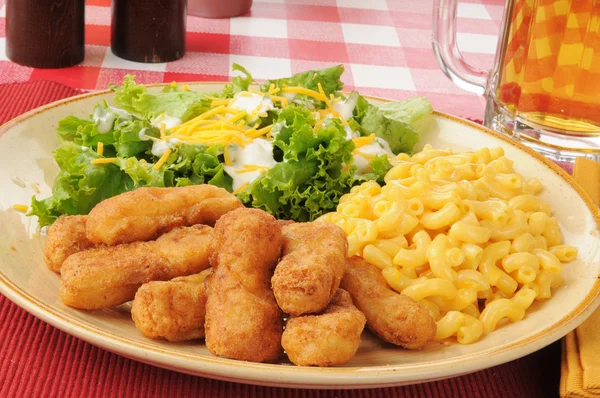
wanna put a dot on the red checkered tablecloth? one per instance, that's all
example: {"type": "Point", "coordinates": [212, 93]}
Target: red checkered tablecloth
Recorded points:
{"type": "Point", "coordinates": [385, 46]}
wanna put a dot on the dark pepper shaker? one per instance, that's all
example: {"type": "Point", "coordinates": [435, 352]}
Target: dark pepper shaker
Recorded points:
{"type": "Point", "coordinates": [45, 33]}
{"type": "Point", "coordinates": [148, 30]}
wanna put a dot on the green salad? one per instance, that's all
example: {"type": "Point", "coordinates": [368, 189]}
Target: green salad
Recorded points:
{"type": "Point", "coordinates": [291, 146]}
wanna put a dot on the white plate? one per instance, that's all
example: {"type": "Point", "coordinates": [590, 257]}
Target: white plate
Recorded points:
{"type": "Point", "coordinates": [26, 146]}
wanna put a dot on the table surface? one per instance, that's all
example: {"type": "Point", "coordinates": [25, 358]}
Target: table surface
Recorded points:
{"type": "Point", "coordinates": [385, 46]}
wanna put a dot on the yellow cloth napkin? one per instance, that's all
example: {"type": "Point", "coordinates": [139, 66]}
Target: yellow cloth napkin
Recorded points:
{"type": "Point", "coordinates": [580, 366]}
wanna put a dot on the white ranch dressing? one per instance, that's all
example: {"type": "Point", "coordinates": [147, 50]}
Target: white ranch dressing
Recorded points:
{"type": "Point", "coordinates": [350, 134]}
{"type": "Point", "coordinates": [254, 104]}
{"type": "Point", "coordinates": [289, 96]}
{"type": "Point", "coordinates": [276, 129]}
{"type": "Point", "coordinates": [346, 108]}
{"type": "Point", "coordinates": [104, 119]}
{"type": "Point", "coordinates": [142, 134]}
{"type": "Point", "coordinates": [122, 113]}
{"type": "Point", "coordinates": [376, 148]}
{"type": "Point", "coordinates": [258, 153]}
{"type": "Point", "coordinates": [160, 147]}
{"type": "Point", "coordinates": [165, 119]}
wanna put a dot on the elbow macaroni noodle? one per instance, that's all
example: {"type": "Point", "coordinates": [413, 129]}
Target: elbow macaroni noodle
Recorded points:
{"type": "Point", "coordinates": [461, 233]}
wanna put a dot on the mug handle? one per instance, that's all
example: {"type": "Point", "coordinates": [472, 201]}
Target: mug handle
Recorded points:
{"type": "Point", "coordinates": [447, 53]}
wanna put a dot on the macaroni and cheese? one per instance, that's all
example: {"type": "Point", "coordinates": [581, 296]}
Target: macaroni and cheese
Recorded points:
{"type": "Point", "coordinates": [461, 233]}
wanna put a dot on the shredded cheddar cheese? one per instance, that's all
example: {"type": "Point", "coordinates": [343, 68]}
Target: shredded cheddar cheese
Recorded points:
{"type": "Point", "coordinates": [329, 104]}
{"type": "Point", "coordinates": [318, 125]}
{"type": "Point", "coordinates": [162, 160]}
{"type": "Point", "coordinates": [249, 168]}
{"type": "Point", "coordinates": [282, 100]}
{"type": "Point", "coordinates": [100, 148]}
{"type": "Point", "coordinates": [240, 189]}
{"type": "Point", "coordinates": [237, 117]}
{"type": "Point", "coordinates": [35, 188]}
{"type": "Point", "coordinates": [21, 208]}
{"type": "Point", "coordinates": [225, 125]}
{"type": "Point", "coordinates": [364, 155]}
{"type": "Point", "coordinates": [327, 101]}
{"type": "Point", "coordinates": [304, 91]}
{"type": "Point", "coordinates": [362, 141]}
{"type": "Point", "coordinates": [220, 102]}
{"type": "Point", "coordinates": [227, 157]}
{"type": "Point", "coordinates": [103, 161]}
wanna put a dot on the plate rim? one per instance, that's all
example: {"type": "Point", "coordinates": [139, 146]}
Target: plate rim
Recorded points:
{"type": "Point", "coordinates": [306, 377]}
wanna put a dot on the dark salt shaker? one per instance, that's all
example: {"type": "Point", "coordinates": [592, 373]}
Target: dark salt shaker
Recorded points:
{"type": "Point", "coordinates": [45, 33]}
{"type": "Point", "coordinates": [148, 30]}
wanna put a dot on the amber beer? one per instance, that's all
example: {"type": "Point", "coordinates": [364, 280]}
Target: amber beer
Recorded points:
{"type": "Point", "coordinates": [550, 69]}
{"type": "Point", "coordinates": [544, 88]}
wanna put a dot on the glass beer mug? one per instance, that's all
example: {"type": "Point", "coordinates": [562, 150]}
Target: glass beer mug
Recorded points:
{"type": "Point", "coordinates": [544, 88]}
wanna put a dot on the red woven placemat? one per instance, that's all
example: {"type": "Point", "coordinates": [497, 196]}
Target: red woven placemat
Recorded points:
{"type": "Point", "coordinates": [38, 360]}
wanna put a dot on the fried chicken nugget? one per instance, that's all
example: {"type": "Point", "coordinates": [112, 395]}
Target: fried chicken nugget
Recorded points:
{"type": "Point", "coordinates": [172, 310]}
{"type": "Point", "coordinates": [243, 320]}
{"type": "Point", "coordinates": [146, 213]}
{"type": "Point", "coordinates": [395, 318]}
{"type": "Point", "coordinates": [109, 276]}
{"type": "Point", "coordinates": [65, 237]}
{"type": "Point", "coordinates": [312, 267]}
{"type": "Point", "coordinates": [329, 338]}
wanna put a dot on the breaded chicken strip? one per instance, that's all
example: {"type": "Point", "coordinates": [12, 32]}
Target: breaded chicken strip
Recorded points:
{"type": "Point", "coordinates": [65, 237]}
{"type": "Point", "coordinates": [329, 338]}
{"type": "Point", "coordinates": [243, 320]}
{"type": "Point", "coordinates": [146, 213]}
{"type": "Point", "coordinates": [312, 267]}
{"type": "Point", "coordinates": [109, 276]}
{"type": "Point", "coordinates": [395, 318]}
{"type": "Point", "coordinates": [172, 310]}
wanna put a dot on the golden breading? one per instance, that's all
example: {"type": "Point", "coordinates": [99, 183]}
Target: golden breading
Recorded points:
{"type": "Point", "coordinates": [329, 338]}
{"type": "Point", "coordinates": [243, 320]}
{"type": "Point", "coordinates": [146, 213]}
{"type": "Point", "coordinates": [172, 310]}
{"type": "Point", "coordinates": [65, 237]}
{"type": "Point", "coordinates": [395, 318]}
{"type": "Point", "coordinates": [313, 263]}
{"type": "Point", "coordinates": [109, 276]}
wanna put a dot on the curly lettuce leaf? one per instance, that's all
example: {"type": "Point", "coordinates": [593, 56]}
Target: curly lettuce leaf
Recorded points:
{"type": "Point", "coordinates": [79, 185]}
{"type": "Point", "coordinates": [238, 83]}
{"type": "Point", "coordinates": [141, 172]}
{"type": "Point", "coordinates": [400, 135]}
{"type": "Point", "coordinates": [412, 111]}
{"type": "Point", "coordinates": [396, 122]}
{"type": "Point", "coordinates": [380, 165]}
{"type": "Point", "coordinates": [134, 98]}
{"type": "Point", "coordinates": [208, 168]}
{"type": "Point", "coordinates": [313, 174]}
{"type": "Point", "coordinates": [328, 77]}
{"type": "Point", "coordinates": [70, 127]}
{"type": "Point", "coordinates": [127, 141]}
